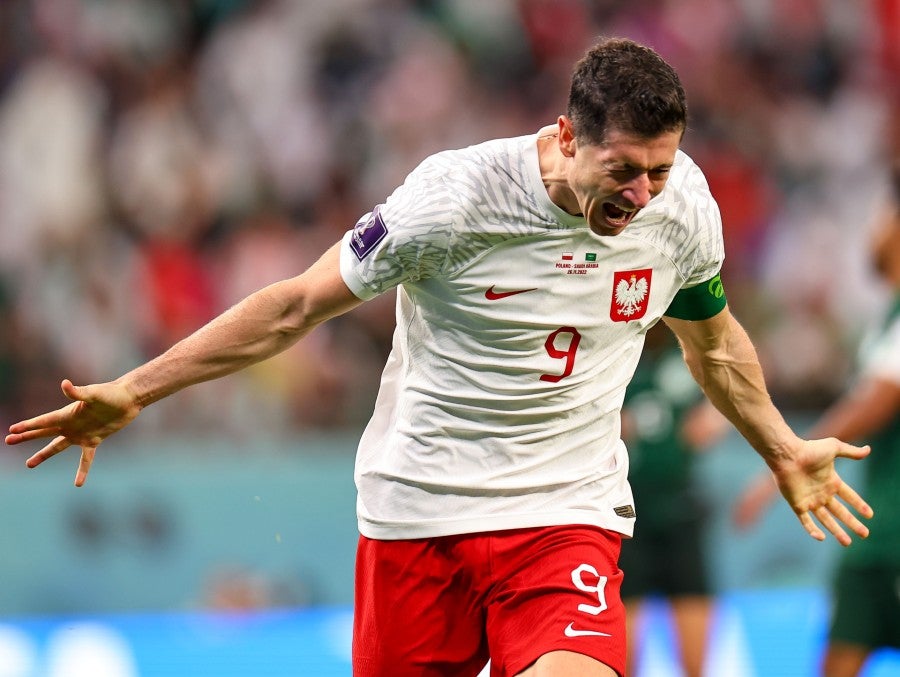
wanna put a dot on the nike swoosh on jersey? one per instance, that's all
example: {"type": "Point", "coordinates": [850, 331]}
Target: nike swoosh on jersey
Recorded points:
{"type": "Point", "coordinates": [492, 295]}
{"type": "Point", "coordinates": [570, 631]}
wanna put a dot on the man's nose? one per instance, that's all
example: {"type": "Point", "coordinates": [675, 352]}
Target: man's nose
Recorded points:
{"type": "Point", "coordinates": [639, 191]}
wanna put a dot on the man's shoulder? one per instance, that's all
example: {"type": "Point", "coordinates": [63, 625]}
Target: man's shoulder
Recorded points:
{"type": "Point", "coordinates": [483, 175]}
{"type": "Point", "coordinates": [687, 180]}
{"type": "Point", "coordinates": [684, 221]}
{"type": "Point", "coordinates": [686, 200]}
{"type": "Point", "coordinates": [484, 155]}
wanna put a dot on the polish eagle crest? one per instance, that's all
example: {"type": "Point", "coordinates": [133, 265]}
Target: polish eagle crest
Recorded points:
{"type": "Point", "coordinates": [631, 290]}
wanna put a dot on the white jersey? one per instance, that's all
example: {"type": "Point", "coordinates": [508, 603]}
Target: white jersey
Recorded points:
{"type": "Point", "coordinates": [517, 332]}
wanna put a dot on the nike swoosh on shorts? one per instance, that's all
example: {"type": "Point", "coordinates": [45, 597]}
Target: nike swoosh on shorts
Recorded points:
{"type": "Point", "coordinates": [570, 631]}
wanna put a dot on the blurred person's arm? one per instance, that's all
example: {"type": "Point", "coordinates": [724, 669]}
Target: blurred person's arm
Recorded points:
{"type": "Point", "coordinates": [754, 500]}
{"type": "Point", "coordinates": [703, 426]}
{"type": "Point", "coordinates": [724, 362]}
{"type": "Point", "coordinates": [885, 248]}
{"type": "Point", "coordinates": [265, 323]}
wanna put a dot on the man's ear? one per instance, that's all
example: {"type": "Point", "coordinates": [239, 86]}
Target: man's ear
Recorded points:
{"type": "Point", "coordinates": [566, 136]}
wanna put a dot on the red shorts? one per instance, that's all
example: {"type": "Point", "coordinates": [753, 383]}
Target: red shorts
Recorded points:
{"type": "Point", "coordinates": [440, 607]}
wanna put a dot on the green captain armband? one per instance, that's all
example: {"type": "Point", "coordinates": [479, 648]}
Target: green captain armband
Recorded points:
{"type": "Point", "coordinates": [700, 302]}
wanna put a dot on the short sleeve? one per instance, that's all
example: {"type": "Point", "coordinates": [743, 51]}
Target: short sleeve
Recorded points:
{"type": "Point", "coordinates": [405, 239]}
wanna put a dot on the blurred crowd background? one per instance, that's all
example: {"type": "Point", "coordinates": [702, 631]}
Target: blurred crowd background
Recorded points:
{"type": "Point", "coordinates": [160, 159]}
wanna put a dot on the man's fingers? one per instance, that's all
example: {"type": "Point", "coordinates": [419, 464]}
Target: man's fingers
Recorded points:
{"type": "Point", "coordinates": [851, 451]}
{"type": "Point", "coordinates": [827, 520]}
{"type": "Point", "coordinates": [854, 500]}
{"type": "Point", "coordinates": [84, 465]}
{"type": "Point", "coordinates": [42, 422]}
{"type": "Point", "coordinates": [69, 426]}
{"type": "Point", "coordinates": [811, 528]}
{"type": "Point", "coordinates": [39, 426]}
{"type": "Point", "coordinates": [47, 424]}
{"type": "Point", "coordinates": [57, 445]}
{"type": "Point", "coordinates": [28, 435]}
{"type": "Point", "coordinates": [69, 389]}
{"type": "Point", "coordinates": [840, 511]}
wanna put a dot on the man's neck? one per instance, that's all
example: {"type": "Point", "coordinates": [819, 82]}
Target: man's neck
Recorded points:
{"type": "Point", "coordinates": [553, 170]}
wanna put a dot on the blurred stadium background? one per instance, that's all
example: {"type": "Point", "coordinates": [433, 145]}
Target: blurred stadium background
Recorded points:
{"type": "Point", "coordinates": [159, 159]}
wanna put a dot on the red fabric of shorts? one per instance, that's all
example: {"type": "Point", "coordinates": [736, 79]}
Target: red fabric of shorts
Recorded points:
{"type": "Point", "coordinates": [440, 607]}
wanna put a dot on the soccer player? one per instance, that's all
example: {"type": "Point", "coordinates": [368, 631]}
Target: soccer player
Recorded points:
{"type": "Point", "coordinates": [866, 610]}
{"type": "Point", "coordinates": [492, 480]}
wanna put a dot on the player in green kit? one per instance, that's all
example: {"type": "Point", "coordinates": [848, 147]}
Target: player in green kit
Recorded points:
{"type": "Point", "coordinates": [866, 585]}
{"type": "Point", "coordinates": [666, 421]}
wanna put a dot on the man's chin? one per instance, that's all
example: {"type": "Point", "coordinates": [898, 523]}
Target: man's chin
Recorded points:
{"type": "Point", "coordinates": [608, 230]}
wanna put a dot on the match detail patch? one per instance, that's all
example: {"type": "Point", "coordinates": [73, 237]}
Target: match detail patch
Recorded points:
{"type": "Point", "coordinates": [367, 233]}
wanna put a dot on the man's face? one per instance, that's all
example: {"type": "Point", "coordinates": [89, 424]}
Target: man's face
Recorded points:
{"type": "Point", "coordinates": [614, 180]}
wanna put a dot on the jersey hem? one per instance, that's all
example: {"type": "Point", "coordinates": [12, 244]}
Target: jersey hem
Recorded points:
{"type": "Point", "coordinates": [395, 531]}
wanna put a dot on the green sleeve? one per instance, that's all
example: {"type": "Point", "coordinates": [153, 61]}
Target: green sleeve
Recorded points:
{"type": "Point", "coordinates": [699, 302]}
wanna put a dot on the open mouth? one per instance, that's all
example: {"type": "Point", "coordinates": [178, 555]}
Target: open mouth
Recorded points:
{"type": "Point", "coordinates": [617, 216]}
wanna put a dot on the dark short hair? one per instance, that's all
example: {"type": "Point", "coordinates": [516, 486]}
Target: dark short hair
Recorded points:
{"type": "Point", "coordinates": [620, 84]}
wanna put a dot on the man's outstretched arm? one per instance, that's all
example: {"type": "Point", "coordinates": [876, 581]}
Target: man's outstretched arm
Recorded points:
{"type": "Point", "coordinates": [723, 360]}
{"type": "Point", "coordinates": [258, 327]}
